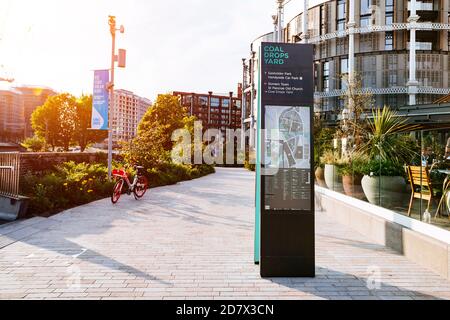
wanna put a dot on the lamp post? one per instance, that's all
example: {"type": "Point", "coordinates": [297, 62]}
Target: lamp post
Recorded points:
{"type": "Point", "coordinates": [114, 58]}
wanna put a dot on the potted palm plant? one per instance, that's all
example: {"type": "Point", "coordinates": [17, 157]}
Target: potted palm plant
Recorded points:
{"type": "Point", "coordinates": [387, 150]}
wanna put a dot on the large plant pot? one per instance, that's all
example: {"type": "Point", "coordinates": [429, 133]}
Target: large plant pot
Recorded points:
{"type": "Point", "coordinates": [389, 194]}
{"type": "Point", "coordinates": [320, 177]}
{"type": "Point", "coordinates": [332, 178]}
{"type": "Point", "coordinates": [352, 186]}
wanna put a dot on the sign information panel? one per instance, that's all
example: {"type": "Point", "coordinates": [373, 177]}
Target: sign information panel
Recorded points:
{"type": "Point", "coordinates": [100, 100]}
{"type": "Point", "coordinates": [285, 168]}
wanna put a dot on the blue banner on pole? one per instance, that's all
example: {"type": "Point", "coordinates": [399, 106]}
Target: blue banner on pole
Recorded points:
{"type": "Point", "coordinates": [100, 100]}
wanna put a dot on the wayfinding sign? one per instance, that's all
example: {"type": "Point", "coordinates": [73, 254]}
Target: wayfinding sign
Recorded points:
{"type": "Point", "coordinates": [284, 241]}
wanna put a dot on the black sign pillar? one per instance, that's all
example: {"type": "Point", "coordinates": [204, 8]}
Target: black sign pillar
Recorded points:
{"type": "Point", "coordinates": [286, 172]}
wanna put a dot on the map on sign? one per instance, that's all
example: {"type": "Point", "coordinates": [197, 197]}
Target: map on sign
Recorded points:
{"type": "Point", "coordinates": [287, 138]}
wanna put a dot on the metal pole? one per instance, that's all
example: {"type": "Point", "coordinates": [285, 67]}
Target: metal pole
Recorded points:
{"type": "Point", "coordinates": [112, 24]}
{"type": "Point", "coordinates": [280, 21]}
{"type": "Point", "coordinates": [305, 22]}
{"type": "Point", "coordinates": [243, 103]}
{"type": "Point", "coordinates": [412, 83]}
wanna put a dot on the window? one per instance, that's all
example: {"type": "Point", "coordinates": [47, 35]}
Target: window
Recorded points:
{"type": "Point", "coordinates": [389, 5]}
{"type": "Point", "coordinates": [389, 18]}
{"type": "Point", "coordinates": [389, 12]}
{"type": "Point", "coordinates": [366, 7]}
{"type": "Point", "coordinates": [365, 13]}
{"type": "Point", "coordinates": [326, 76]}
{"type": "Point", "coordinates": [341, 46]}
{"type": "Point", "coordinates": [343, 71]}
{"type": "Point", "coordinates": [323, 20]}
{"type": "Point", "coordinates": [368, 42]}
{"type": "Point", "coordinates": [203, 101]}
{"type": "Point", "coordinates": [341, 15]}
{"type": "Point", "coordinates": [365, 21]}
{"type": "Point", "coordinates": [448, 39]}
{"type": "Point", "coordinates": [225, 103]}
{"type": "Point", "coordinates": [389, 41]}
{"type": "Point", "coordinates": [344, 65]}
{"type": "Point", "coordinates": [215, 102]}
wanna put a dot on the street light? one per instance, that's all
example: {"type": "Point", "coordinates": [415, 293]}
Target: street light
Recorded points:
{"type": "Point", "coordinates": [121, 61]}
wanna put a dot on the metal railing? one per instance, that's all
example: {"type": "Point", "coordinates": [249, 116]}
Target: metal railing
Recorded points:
{"type": "Point", "coordinates": [9, 174]}
{"type": "Point", "coordinates": [381, 28]}
{"type": "Point", "coordinates": [377, 91]}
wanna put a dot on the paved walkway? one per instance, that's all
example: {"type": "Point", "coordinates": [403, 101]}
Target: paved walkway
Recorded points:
{"type": "Point", "coordinates": [193, 240]}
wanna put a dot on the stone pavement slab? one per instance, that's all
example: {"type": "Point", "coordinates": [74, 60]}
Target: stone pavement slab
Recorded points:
{"type": "Point", "coordinates": [193, 240]}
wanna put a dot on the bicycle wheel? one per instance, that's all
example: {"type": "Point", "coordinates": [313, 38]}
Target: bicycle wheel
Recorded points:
{"type": "Point", "coordinates": [141, 187]}
{"type": "Point", "coordinates": [117, 191]}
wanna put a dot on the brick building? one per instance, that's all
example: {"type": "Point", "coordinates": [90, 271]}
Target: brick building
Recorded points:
{"type": "Point", "coordinates": [215, 111]}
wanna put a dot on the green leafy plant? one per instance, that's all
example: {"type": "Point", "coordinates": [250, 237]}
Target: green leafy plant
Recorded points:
{"type": "Point", "coordinates": [379, 167]}
{"type": "Point", "coordinates": [34, 144]}
{"type": "Point", "coordinates": [323, 138]}
{"type": "Point", "coordinates": [386, 139]}
{"type": "Point", "coordinates": [352, 167]}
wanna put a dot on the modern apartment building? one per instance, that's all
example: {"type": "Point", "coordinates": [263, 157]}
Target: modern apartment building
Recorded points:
{"type": "Point", "coordinates": [215, 111]}
{"type": "Point", "coordinates": [400, 49]}
{"type": "Point", "coordinates": [33, 97]}
{"type": "Point", "coordinates": [12, 124]}
{"type": "Point", "coordinates": [126, 114]}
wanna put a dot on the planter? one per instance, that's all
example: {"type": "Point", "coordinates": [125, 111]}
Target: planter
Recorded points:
{"type": "Point", "coordinates": [332, 178]}
{"type": "Point", "coordinates": [390, 194]}
{"type": "Point", "coordinates": [352, 186]}
{"type": "Point", "coordinates": [320, 177]}
{"type": "Point", "coordinates": [13, 208]}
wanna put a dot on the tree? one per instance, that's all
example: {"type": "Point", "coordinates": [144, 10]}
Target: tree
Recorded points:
{"type": "Point", "coordinates": [83, 135]}
{"type": "Point", "coordinates": [64, 120]}
{"type": "Point", "coordinates": [357, 103]}
{"type": "Point", "coordinates": [34, 144]}
{"type": "Point", "coordinates": [55, 120]}
{"type": "Point", "coordinates": [153, 143]}
{"type": "Point", "coordinates": [168, 115]}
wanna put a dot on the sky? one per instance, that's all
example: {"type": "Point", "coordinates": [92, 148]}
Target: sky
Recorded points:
{"type": "Point", "coordinates": [172, 45]}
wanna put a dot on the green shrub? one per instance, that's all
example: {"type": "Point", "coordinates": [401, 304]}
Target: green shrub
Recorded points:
{"type": "Point", "coordinates": [69, 185]}
{"type": "Point", "coordinates": [378, 167]}
{"type": "Point", "coordinates": [72, 184]}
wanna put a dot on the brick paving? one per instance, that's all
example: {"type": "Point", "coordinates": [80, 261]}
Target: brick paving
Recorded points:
{"type": "Point", "coordinates": [193, 240]}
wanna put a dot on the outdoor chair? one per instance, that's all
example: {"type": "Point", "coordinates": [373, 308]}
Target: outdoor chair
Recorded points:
{"type": "Point", "coordinates": [421, 186]}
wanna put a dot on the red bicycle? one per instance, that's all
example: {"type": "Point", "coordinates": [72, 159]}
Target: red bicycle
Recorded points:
{"type": "Point", "coordinates": [138, 187]}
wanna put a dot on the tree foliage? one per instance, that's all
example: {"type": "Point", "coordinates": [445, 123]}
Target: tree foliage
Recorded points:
{"type": "Point", "coordinates": [64, 120]}
{"type": "Point", "coordinates": [34, 144]}
{"type": "Point", "coordinates": [153, 144]}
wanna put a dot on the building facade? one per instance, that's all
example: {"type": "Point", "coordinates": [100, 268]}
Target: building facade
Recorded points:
{"type": "Point", "coordinates": [126, 114]}
{"type": "Point", "coordinates": [214, 111]}
{"type": "Point", "coordinates": [33, 97]}
{"type": "Point", "coordinates": [399, 48]}
{"type": "Point", "coordinates": [12, 123]}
